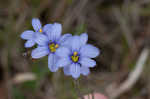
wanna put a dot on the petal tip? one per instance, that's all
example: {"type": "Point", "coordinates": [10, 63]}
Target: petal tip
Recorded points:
{"type": "Point", "coordinates": [36, 24]}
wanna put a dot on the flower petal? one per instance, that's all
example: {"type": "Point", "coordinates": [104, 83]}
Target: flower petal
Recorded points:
{"type": "Point", "coordinates": [66, 70]}
{"type": "Point", "coordinates": [27, 35]}
{"type": "Point", "coordinates": [87, 62]}
{"type": "Point", "coordinates": [75, 43]}
{"type": "Point", "coordinates": [36, 24]}
{"type": "Point", "coordinates": [89, 50]}
{"type": "Point", "coordinates": [67, 42]}
{"type": "Point", "coordinates": [54, 32]}
{"type": "Point", "coordinates": [41, 39]}
{"type": "Point", "coordinates": [47, 28]}
{"type": "Point", "coordinates": [64, 38]}
{"type": "Point", "coordinates": [40, 52]}
{"type": "Point", "coordinates": [63, 52]}
{"type": "Point", "coordinates": [75, 70]}
{"type": "Point", "coordinates": [84, 38]}
{"type": "Point", "coordinates": [52, 60]}
{"type": "Point", "coordinates": [29, 43]}
{"type": "Point", "coordinates": [63, 62]}
{"type": "Point", "coordinates": [85, 70]}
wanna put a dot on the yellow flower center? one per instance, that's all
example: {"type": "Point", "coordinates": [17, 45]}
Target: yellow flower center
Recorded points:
{"type": "Point", "coordinates": [40, 30]}
{"type": "Point", "coordinates": [53, 47]}
{"type": "Point", "coordinates": [74, 57]}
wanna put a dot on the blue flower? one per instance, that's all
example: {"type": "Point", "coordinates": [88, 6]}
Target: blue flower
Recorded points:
{"type": "Point", "coordinates": [30, 35]}
{"type": "Point", "coordinates": [76, 57]}
{"type": "Point", "coordinates": [49, 43]}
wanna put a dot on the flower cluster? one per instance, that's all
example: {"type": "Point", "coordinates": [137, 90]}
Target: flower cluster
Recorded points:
{"type": "Point", "coordinates": [67, 51]}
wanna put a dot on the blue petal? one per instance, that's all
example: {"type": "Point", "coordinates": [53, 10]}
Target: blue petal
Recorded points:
{"type": "Point", "coordinates": [36, 24]}
{"type": "Point", "coordinates": [47, 28]}
{"type": "Point", "coordinates": [84, 61]}
{"type": "Point", "coordinates": [41, 39]}
{"type": "Point", "coordinates": [63, 52]}
{"type": "Point", "coordinates": [84, 38]}
{"type": "Point", "coordinates": [85, 70]}
{"type": "Point", "coordinates": [67, 42]}
{"type": "Point", "coordinates": [64, 38]}
{"type": "Point", "coordinates": [66, 70]}
{"type": "Point", "coordinates": [52, 60]}
{"type": "Point", "coordinates": [29, 43]}
{"type": "Point", "coordinates": [89, 51]}
{"type": "Point", "coordinates": [40, 52]}
{"type": "Point", "coordinates": [27, 35]}
{"type": "Point", "coordinates": [54, 32]}
{"type": "Point", "coordinates": [62, 62]}
{"type": "Point", "coordinates": [75, 43]}
{"type": "Point", "coordinates": [75, 70]}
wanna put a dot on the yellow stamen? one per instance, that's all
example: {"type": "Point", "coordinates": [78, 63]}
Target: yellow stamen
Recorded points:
{"type": "Point", "coordinates": [56, 46]}
{"type": "Point", "coordinates": [40, 30]}
{"type": "Point", "coordinates": [75, 58]}
{"type": "Point", "coordinates": [53, 47]}
{"type": "Point", "coordinates": [75, 53]}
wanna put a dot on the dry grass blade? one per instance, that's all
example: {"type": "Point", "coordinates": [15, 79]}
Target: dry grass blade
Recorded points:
{"type": "Point", "coordinates": [133, 76]}
{"type": "Point", "coordinates": [20, 78]}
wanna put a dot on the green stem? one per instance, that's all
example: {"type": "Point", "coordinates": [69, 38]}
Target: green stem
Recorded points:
{"type": "Point", "coordinates": [77, 88]}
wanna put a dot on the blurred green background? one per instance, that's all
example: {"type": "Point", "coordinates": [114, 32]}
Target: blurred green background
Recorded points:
{"type": "Point", "coordinates": [119, 28]}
